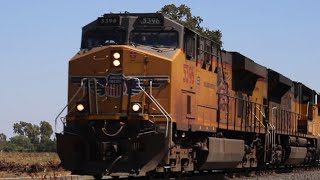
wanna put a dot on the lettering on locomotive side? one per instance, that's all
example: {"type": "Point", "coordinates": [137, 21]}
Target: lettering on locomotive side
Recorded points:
{"type": "Point", "coordinates": [109, 21]}
{"type": "Point", "coordinates": [115, 79]}
{"type": "Point", "coordinates": [114, 86]}
{"type": "Point", "coordinates": [209, 85]}
{"type": "Point", "coordinates": [188, 72]}
{"type": "Point", "coordinates": [149, 20]}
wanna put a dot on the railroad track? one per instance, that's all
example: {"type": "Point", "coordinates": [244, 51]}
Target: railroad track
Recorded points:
{"type": "Point", "coordinates": [240, 174]}
{"type": "Point", "coordinates": [279, 173]}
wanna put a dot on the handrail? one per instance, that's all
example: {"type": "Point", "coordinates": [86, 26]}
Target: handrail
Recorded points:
{"type": "Point", "coordinates": [269, 138]}
{"type": "Point", "coordinates": [157, 104]}
{"type": "Point", "coordinates": [273, 139]}
{"type": "Point", "coordinates": [171, 123]}
{"type": "Point", "coordinates": [263, 114]}
{"type": "Point", "coordinates": [260, 121]}
{"type": "Point", "coordinates": [154, 116]}
{"type": "Point", "coordinates": [73, 97]}
{"type": "Point", "coordinates": [269, 127]}
{"type": "Point", "coordinates": [245, 100]}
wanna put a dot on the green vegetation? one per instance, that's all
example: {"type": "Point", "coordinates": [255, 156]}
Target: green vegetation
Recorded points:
{"type": "Point", "coordinates": [29, 138]}
{"type": "Point", "coordinates": [183, 15]}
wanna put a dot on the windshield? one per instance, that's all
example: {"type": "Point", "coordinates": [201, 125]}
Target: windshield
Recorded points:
{"type": "Point", "coordinates": [101, 38]}
{"type": "Point", "coordinates": [156, 39]}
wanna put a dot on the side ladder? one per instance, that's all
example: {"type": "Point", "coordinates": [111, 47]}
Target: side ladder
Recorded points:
{"type": "Point", "coordinates": [270, 135]}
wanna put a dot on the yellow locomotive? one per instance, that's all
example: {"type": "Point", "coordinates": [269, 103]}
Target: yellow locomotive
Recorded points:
{"type": "Point", "coordinates": [149, 96]}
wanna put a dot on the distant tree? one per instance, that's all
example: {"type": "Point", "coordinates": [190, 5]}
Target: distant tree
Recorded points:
{"type": "Point", "coordinates": [3, 138]}
{"type": "Point", "coordinates": [38, 136]}
{"type": "Point", "coordinates": [18, 129]}
{"type": "Point", "coordinates": [47, 145]}
{"type": "Point", "coordinates": [20, 144]}
{"type": "Point", "coordinates": [182, 14]}
{"type": "Point", "coordinates": [3, 141]}
{"type": "Point", "coordinates": [45, 130]}
{"type": "Point", "coordinates": [8, 147]}
{"type": "Point", "coordinates": [29, 130]}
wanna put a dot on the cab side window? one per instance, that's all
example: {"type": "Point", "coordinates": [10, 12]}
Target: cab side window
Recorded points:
{"type": "Point", "coordinates": [189, 45]}
{"type": "Point", "coordinates": [200, 51]}
{"type": "Point", "coordinates": [318, 103]}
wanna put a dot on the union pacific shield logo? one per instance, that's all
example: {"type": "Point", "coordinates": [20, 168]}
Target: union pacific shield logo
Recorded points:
{"type": "Point", "coordinates": [115, 85]}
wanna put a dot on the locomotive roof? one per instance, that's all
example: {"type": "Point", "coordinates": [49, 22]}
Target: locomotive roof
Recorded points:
{"type": "Point", "coordinates": [127, 14]}
{"type": "Point", "coordinates": [303, 86]}
{"type": "Point", "coordinates": [132, 14]}
{"type": "Point", "coordinates": [240, 61]}
{"type": "Point", "coordinates": [281, 78]}
{"type": "Point", "coordinates": [156, 14]}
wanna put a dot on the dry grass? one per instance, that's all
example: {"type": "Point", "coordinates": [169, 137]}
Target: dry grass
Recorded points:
{"type": "Point", "coordinates": [30, 164]}
{"type": "Point", "coordinates": [29, 158]}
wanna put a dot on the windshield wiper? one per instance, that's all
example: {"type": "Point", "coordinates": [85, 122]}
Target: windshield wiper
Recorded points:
{"type": "Point", "coordinates": [154, 47]}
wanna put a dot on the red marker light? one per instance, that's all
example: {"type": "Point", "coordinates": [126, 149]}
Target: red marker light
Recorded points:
{"type": "Point", "coordinates": [133, 55]}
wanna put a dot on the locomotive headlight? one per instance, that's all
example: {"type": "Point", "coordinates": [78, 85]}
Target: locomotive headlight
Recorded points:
{"type": "Point", "coordinates": [116, 55]}
{"type": "Point", "coordinates": [116, 63]}
{"type": "Point", "coordinates": [80, 107]}
{"type": "Point", "coordinates": [136, 107]}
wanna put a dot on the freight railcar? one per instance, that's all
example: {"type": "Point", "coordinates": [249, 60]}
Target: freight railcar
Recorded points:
{"type": "Point", "coordinates": [149, 96]}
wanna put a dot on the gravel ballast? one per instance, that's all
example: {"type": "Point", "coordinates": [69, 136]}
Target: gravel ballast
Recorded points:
{"type": "Point", "coordinates": [299, 175]}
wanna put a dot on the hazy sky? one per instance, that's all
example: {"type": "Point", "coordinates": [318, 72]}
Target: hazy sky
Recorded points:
{"type": "Point", "coordinates": [39, 37]}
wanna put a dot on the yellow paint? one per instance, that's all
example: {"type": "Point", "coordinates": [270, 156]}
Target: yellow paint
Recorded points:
{"type": "Point", "coordinates": [186, 80]}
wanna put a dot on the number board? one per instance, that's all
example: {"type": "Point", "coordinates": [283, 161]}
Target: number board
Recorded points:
{"type": "Point", "coordinates": [149, 21]}
{"type": "Point", "coordinates": [109, 21]}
